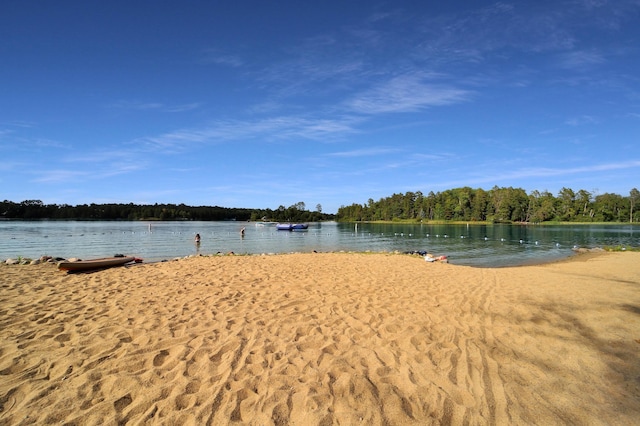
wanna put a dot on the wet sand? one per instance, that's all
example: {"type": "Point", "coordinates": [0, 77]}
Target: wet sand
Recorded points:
{"type": "Point", "coordinates": [326, 339]}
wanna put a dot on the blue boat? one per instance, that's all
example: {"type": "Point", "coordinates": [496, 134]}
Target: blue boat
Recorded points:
{"type": "Point", "coordinates": [291, 226]}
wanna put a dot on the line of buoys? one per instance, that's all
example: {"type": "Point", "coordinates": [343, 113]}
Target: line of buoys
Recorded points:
{"type": "Point", "coordinates": [465, 237]}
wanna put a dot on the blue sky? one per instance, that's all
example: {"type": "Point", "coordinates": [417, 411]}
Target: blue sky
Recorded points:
{"type": "Point", "coordinates": [259, 104]}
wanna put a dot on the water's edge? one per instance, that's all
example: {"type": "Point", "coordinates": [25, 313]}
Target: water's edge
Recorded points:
{"type": "Point", "coordinates": [476, 245]}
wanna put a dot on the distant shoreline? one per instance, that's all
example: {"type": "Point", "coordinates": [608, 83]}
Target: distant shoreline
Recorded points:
{"type": "Point", "coordinates": [380, 222]}
{"type": "Point", "coordinates": [486, 223]}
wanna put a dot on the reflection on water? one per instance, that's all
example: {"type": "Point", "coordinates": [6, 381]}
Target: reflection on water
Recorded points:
{"type": "Point", "coordinates": [479, 245]}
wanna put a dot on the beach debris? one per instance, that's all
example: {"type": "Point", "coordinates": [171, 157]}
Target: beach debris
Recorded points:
{"type": "Point", "coordinates": [432, 258]}
{"type": "Point", "coordinates": [587, 250]}
{"type": "Point", "coordinates": [418, 252]}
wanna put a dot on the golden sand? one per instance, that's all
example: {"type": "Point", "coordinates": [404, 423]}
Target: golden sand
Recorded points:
{"type": "Point", "coordinates": [322, 339]}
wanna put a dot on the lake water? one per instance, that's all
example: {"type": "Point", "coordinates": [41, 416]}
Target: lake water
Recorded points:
{"type": "Point", "coordinates": [474, 245]}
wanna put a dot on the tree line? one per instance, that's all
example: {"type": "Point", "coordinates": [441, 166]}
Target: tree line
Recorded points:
{"type": "Point", "coordinates": [36, 209]}
{"type": "Point", "coordinates": [498, 205]}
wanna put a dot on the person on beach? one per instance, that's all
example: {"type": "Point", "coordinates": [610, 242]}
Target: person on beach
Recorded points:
{"type": "Point", "coordinates": [242, 232]}
{"type": "Point", "coordinates": [197, 239]}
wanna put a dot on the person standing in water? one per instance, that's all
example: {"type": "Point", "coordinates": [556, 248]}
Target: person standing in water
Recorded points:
{"type": "Point", "coordinates": [197, 241]}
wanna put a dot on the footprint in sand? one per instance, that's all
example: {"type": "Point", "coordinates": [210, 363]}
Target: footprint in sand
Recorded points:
{"type": "Point", "coordinates": [65, 337]}
{"type": "Point", "coordinates": [160, 358]}
{"type": "Point", "coordinates": [123, 402]}
{"type": "Point", "coordinates": [192, 387]}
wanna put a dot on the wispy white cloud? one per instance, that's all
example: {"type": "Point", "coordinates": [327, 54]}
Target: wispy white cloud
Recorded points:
{"type": "Point", "coordinates": [552, 172]}
{"type": "Point", "coordinates": [19, 143]}
{"type": "Point", "coordinates": [405, 93]}
{"type": "Point", "coordinates": [13, 165]}
{"type": "Point", "coordinates": [580, 59]}
{"type": "Point", "coordinates": [472, 36]}
{"type": "Point", "coordinates": [441, 155]}
{"type": "Point", "coordinates": [117, 169]}
{"type": "Point", "coordinates": [508, 29]}
{"type": "Point", "coordinates": [515, 175]}
{"type": "Point", "coordinates": [79, 166]}
{"type": "Point", "coordinates": [364, 152]}
{"type": "Point", "coordinates": [98, 156]}
{"type": "Point", "coordinates": [18, 123]}
{"type": "Point", "coordinates": [582, 120]}
{"type": "Point", "coordinates": [183, 107]}
{"type": "Point", "coordinates": [154, 106]}
{"type": "Point", "coordinates": [59, 176]}
{"type": "Point", "coordinates": [266, 107]}
{"type": "Point", "coordinates": [272, 129]}
{"type": "Point", "coordinates": [314, 68]}
{"type": "Point", "coordinates": [102, 170]}
{"type": "Point", "coordinates": [593, 4]}
{"type": "Point", "coordinates": [219, 57]}
{"type": "Point", "coordinates": [608, 14]}
{"type": "Point", "coordinates": [142, 106]}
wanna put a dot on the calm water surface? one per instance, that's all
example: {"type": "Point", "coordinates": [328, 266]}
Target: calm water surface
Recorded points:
{"type": "Point", "coordinates": [475, 245]}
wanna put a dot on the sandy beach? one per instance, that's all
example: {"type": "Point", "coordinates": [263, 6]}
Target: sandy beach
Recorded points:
{"type": "Point", "coordinates": [322, 339]}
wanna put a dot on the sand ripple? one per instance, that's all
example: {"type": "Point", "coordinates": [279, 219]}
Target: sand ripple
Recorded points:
{"type": "Point", "coordinates": [322, 339]}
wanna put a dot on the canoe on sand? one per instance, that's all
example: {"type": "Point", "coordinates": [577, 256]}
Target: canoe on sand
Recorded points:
{"type": "Point", "coordinates": [92, 264]}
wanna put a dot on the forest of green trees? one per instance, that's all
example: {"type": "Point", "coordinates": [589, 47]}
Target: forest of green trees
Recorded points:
{"type": "Point", "coordinates": [36, 209]}
{"type": "Point", "coordinates": [498, 205]}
